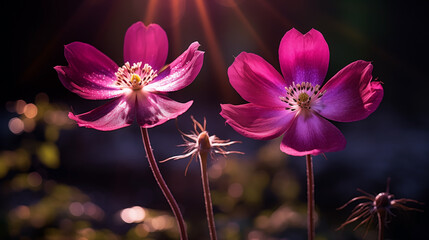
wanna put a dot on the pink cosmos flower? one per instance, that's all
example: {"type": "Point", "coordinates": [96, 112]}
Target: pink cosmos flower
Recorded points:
{"type": "Point", "coordinates": [138, 87]}
{"type": "Point", "coordinates": [296, 105]}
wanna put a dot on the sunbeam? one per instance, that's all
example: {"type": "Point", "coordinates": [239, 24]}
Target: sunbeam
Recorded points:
{"type": "Point", "coordinates": [215, 52]}
{"type": "Point", "coordinates": [251, 30]}
{"type": "Point", "coordinates": [175, 19]}
{"type": "Point", "coordinates": [150, 11]}
{"type": "Point", "coordinates": [274, 12]}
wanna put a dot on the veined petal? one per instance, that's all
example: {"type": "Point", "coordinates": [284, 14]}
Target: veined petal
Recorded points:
{"type": "Point", "coordinates": [256, 80]}
{"type": "Point", "coordinates": [153, 109]}
{"type": "Point", "coordinates": [350, 94]}
{"type": "Point", "coordinates": [90, 73]}
{"type": "Point", "coordinates": [180, 73]}
{"type": "Point", "coordinates": [146, 44]}
{"type": "Point", "coordinates": [257, 122]}
{"type": "Point", "coordinates": [312, 134]}
{"type": "Point", "coordinates": [115, 114]}
{"type": "Point", "coordinates": [304, 58]}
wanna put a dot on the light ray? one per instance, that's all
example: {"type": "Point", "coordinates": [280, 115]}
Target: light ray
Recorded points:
{"type": "Point", "coordinates": [175, 19]}
{"type": "Point", "coordinates": [274, 12]}
{"type": "Point", "coordinates": [150, 11]}
{"type": "Point", "coordinates": [215, 52]}
{"type": "Point", "coordinates": [251, 30]}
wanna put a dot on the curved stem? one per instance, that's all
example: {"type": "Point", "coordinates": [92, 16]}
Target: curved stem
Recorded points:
{"type": "Point", "coordinates": [207, 196]}
{"type": "Point", "coordinates": [381, 216]}
{"type": "Point", "coordinates": [160, 180]}
{"type": "Point", "coordinates": [310, 198]}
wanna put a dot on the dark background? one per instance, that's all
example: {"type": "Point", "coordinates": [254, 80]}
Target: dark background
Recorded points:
{"type": "Point", "coordinates": [110, 166]}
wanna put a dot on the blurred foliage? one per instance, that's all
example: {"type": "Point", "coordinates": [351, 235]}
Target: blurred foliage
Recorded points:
{"type": "Point", "coordinates": [36, 207]}
{"type": "Point", "coordinates": [257, 198]}
{"type": "Point", "coordinates": [40, 208]}
{"type": "Point", "coordinates": [34, 120]}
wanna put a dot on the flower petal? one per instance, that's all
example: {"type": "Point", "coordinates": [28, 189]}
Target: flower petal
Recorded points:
{"type": "Point", "coordinates": [115, 114]}
{"type": "Point", "coordinates": [90, 73]}
{"type": "Point", "coordinates": [312, 134]}
{"type": "Point", "coordinates": [257, 122]}
{"type": "Point", "coordinates": [180, 73]}
{"type": "Point", "coordinates": [350, 94]}
{"type": "Point", "coordinates": [256, 80]}
{"type": "Point", "coordinates": [304, 58]}
{"type": "Point", "coordinates": [146, 44]}
{"type": "Point", "coordinates": [154, 109]}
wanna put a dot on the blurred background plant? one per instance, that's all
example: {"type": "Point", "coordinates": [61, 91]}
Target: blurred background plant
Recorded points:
{"type": "Point", "coordinates": [37, 206]}
{"type": "Point", "coordinates": [52, 173]}
{"type": "Point", "coordinates": [255, 196]}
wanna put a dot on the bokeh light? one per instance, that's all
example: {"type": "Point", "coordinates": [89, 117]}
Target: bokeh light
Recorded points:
{"type": "Point", "coordinates": [23, 212]}
{"type": "Point", "coordinates": [20, 106]}
{"type": "Point", "coordinates": [133, 215]}
{"type": "Point", "coordinates": [235, 190]}
{"type": "Point", "coordinates": [16, 125]}
{"type": "Point", "coordinates": [76, 209]}
{"type": "Point", "coordinates": [29, 124]}
{"type": "Point", "coordinates": [34, 179]}
{"type": "Point", "coordinates": [30, 110]}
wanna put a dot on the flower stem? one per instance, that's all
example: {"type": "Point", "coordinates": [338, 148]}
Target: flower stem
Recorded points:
{"type": "Point", "coordinates": [310, 198]}
{"type": "Point", "coordinates": [160, 180]}
{"type": "Point", "coordinates": [381, 217]}
{"type": "Point", "coordinates": [207, 196]}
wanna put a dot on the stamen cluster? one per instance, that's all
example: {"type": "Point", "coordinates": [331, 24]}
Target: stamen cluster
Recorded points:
{"type": "Point", "coordinates": [301, 96]}
{"type": "Point", "coordinates": [135, 77]}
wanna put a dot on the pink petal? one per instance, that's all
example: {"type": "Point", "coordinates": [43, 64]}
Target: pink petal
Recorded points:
{"type": "Point", "coordinates": [350, 95]}
{"type": "Point", "coordinates": [115, 114]}
{"type": "Point", "coordinates": [180, 73]}
{"type": "Point", "coordinates": [146, 44]}
{"type": "Point", "coordinates": [304, 58]}
{"type": "Point", "coordinates": [153, 109]}
{"type": "Point", "coordinates": [90, 73]}
{"type": "Point", "coordinates": [312, 134]}
{"type": "Point", "coordinates": [257, 122]}
{"type": "Point", "coordinates": [256, 80]}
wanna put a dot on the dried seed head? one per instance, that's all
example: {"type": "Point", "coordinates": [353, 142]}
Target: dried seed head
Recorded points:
{"type": "Point", "coordinates": [203, 142]}
{"type": "Point", "coordinates": [381, 204]}
{"type": "Point", "coordinates": [200, 144]}
{"type": "Point", "coordinates": [382, 201]}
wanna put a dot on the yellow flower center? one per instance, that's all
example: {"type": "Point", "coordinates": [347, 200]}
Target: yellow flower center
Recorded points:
{"type": "Point", "coordinates": [135, 80]}
{"type": "Point", "coordinates": [135, 76]}
{"type": "Point", "coordinates": [301, 96]}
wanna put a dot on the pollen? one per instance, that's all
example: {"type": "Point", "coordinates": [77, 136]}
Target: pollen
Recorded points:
{"type": "Point", "coordinates": [135, 77]}
{"type": "Point", "coordinates": [135, 80]}
{"type": "Point", "coordinates": [301, 96]}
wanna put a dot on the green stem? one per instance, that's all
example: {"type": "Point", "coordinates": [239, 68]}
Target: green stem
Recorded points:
{"type": "Point", "coordinates": [207, 197]}
{"type": "Point", "coordinates": [160, 180]}
{"type": "Point", "coordinates": [310, 198]}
